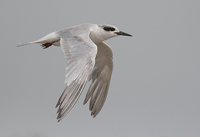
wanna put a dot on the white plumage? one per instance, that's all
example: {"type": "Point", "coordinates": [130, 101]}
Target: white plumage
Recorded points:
{"type": "Point", "coordinates": [88, 58]}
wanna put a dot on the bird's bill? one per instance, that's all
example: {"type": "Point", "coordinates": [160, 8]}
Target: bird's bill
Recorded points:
{"type": "Point", "coordinates": [123, 33]}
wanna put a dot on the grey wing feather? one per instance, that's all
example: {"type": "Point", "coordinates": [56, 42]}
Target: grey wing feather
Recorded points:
{"type": "Point", "coordinates": [101, 77]}
{"type": "Point", "coordinates": [80, 53]}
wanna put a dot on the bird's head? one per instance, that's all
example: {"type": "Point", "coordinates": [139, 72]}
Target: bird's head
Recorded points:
{"type": "Point", "coordinates": [105, 32]}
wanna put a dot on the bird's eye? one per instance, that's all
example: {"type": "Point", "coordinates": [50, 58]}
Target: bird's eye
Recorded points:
{"type": "Point", "coordinates": [109, 28]}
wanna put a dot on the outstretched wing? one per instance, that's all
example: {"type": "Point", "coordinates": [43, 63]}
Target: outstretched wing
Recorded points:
{"type": "Point", "coordinates": [80, 53]}
{"type": "Point", "coordinates": [101, 77]}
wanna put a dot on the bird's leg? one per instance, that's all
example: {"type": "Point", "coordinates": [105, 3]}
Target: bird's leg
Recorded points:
{"type": "Point", "coordinates": [46, 45]}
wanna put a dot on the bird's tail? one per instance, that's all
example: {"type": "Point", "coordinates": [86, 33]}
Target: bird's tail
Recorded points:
{"type": "Point", "coordinates": [26, 44]}
{"type": "Point", "coordinates": [46, 41]}
{"type": "Point", "coordinates": [40, 41]}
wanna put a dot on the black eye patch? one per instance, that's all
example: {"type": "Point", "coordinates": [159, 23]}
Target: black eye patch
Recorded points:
{"type": "Point", "coordinates": [106, 28]}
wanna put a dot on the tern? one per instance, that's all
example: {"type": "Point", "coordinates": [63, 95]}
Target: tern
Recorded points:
{"type": "Point", "coordinates": [88, 58]}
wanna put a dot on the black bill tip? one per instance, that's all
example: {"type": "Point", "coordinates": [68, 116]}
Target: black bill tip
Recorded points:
{"type": "Point", "coordinates": [123, 33]}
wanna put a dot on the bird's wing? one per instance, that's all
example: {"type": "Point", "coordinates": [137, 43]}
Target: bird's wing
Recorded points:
{"type": "Point", "coordinates": [101, 77]}
{"type": "Point", "coordinates": [80, 53]}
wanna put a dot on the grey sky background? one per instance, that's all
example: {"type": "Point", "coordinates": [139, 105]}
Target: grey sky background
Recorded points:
{"type": "Point", "coordinates": [155, 86]}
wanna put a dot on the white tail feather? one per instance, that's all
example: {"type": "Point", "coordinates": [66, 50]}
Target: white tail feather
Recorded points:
{"type": "Point", "coordinates": [50, 38]}
{"type": "Point", "coordinates": [24, 44]}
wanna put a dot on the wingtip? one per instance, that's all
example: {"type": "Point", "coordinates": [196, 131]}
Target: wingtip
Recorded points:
{"type": "Point", "coordinates": [93, 115]}
{"type": "Point", "coordinates": [57, 104]}
{"type": "Point", "coordinates": [58, 120]}
{"type": "Point", "coordinates": [84, 102]}
{"type": "Point", "coordinates": [58, 116]}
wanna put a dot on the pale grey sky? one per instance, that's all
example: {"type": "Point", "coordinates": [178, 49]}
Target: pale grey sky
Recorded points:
{"type": "Point", "coordinates": [155, 86]}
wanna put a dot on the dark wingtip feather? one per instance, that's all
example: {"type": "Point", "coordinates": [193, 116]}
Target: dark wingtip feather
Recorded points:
{"type": "Point", "coordinates": [93, 114]}
{"type": "Point", "coordinates": [85, 101]}
{"type": "Point", "coordinates": [59, 110]}
{"type": "Point", "coordinates": [59, 116]}
{"type": "Point", "coordinates": [57, 104]}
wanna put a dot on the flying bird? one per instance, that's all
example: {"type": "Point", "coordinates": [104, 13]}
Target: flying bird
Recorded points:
{"type": "Point", "coordinates": [88, 58]}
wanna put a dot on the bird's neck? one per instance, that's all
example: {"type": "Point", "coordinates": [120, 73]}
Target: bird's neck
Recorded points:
{"type": "Point", "coordinates": [96, 38]}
